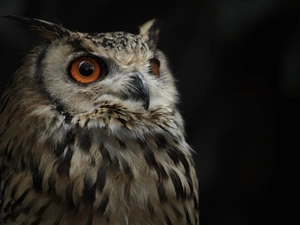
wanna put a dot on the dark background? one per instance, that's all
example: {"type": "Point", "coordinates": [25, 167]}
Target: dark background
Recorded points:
{"type": "Point", "coordinates": [233, 61]}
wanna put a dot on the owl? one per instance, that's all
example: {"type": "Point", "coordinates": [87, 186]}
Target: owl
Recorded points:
{"type": "Point", "coordinates": [90, 133]}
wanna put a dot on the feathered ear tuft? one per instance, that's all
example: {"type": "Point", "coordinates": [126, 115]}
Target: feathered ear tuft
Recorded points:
{"type": "Point", "coordinates": [149, 33]}
{"type": "Point", "coordinates": [44, 28]}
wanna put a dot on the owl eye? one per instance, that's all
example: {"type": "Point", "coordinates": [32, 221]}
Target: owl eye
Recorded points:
{"type": "Point", "coordinates": [154, 66]}
{"type": "Point", "coordinates": [85, 69]}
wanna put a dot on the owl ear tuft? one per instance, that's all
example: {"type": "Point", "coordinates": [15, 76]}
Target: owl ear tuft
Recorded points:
{"type": "Point", "coordinates": [46, 29]}
{"type": "Point", "coordinates": [149, 33]}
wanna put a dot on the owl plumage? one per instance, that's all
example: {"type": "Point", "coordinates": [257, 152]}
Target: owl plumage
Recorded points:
{"type": "Point", "coordinates": [90, 134]}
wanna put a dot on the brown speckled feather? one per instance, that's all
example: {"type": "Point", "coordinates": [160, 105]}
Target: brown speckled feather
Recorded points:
{"type": "Point", "coordinates": [99, 153]}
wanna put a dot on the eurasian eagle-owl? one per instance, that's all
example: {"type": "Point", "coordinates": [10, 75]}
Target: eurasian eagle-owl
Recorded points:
{"type": "Point", "coordinates": [90, 134]}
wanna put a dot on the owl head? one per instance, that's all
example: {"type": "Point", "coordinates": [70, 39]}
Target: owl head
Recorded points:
{"type": "Point", "coordinates": [78, 72]}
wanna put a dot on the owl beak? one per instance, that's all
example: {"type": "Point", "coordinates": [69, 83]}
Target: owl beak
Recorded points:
{"type": "Point", "coordinates": [140, 90]}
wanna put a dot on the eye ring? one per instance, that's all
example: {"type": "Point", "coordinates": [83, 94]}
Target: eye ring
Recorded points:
{"type": "Point", "coordinates": [85, 69]}
{"type": "Point", "coordinates": [155, 66]}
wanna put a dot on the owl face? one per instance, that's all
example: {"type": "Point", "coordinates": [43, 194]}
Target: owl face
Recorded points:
{"type": "Point", "coordinates": [78, 72]}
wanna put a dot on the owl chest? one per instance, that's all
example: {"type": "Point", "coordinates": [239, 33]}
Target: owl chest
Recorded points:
{"type": "Point", "coordinates": [107, 174]}
{"type": "Point", "coordinates": [92, 178]}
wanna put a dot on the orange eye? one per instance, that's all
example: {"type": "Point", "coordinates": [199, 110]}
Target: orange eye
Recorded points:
{"type": "Point", "coordinates": [155, 64]}
{"type": "Point", "coordinates": [85, 69]}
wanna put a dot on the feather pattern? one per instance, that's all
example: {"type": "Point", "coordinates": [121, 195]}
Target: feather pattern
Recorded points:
{"type": "Point", "coordinates": [92, 154]}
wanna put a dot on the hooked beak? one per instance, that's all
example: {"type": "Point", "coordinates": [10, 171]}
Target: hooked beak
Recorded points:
{"type": "Point", "coordinates": [140, 91]}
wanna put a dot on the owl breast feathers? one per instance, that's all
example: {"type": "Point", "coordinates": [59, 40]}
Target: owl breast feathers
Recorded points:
{"type": "Point", "coordinates": [90, 134]}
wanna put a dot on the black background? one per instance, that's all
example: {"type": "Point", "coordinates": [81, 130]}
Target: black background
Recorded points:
{"type": "Point", "coordinates": [233, 61]}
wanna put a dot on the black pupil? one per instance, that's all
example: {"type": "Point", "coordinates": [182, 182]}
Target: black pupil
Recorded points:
{"type": "Point", "coordinates": [86, 69]}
